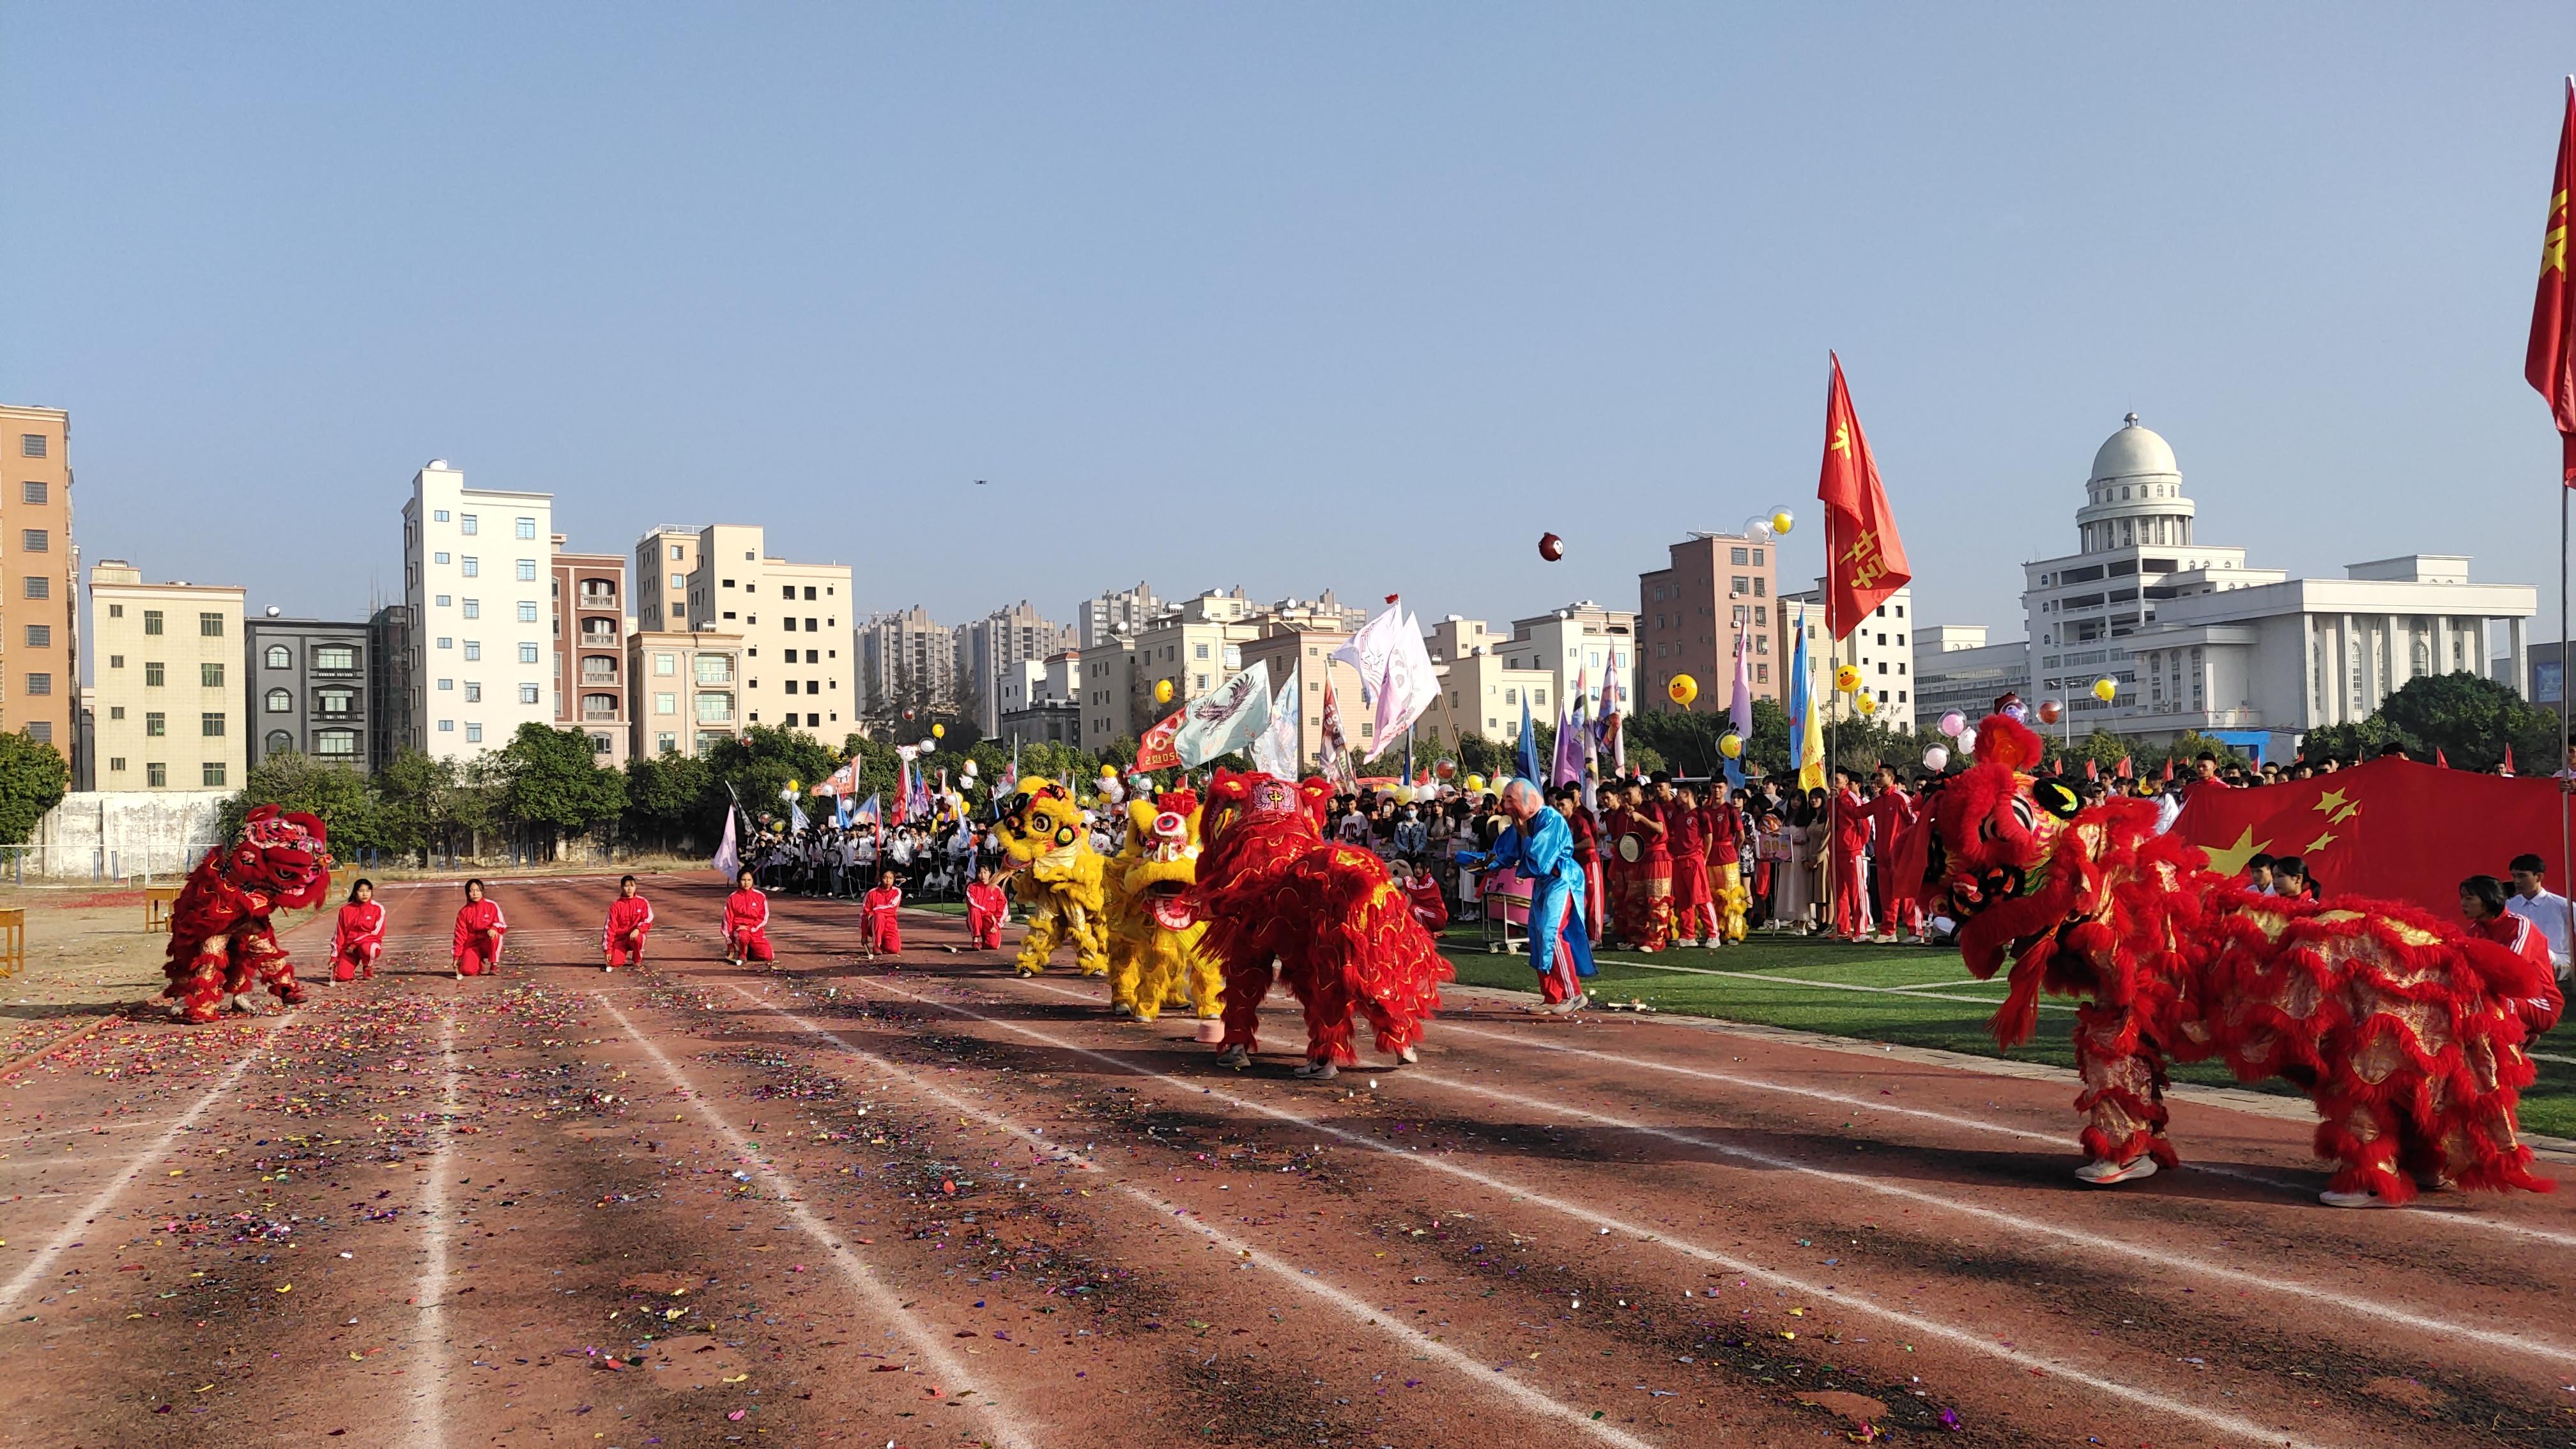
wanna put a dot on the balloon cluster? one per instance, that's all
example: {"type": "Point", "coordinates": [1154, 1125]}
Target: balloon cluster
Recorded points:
{"type": "Point", "coordinates": [1956, 726]}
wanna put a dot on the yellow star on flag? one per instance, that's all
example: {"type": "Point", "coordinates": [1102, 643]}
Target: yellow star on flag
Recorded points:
{"type": "Point", "coordinates": [2330, 801]}
{"type": "Point", "coordinates": [2320, 843]}
{"type": "Point", "coordinates": [2347, 812]}
{"type": "Point", "coordinates": [2230, 859]}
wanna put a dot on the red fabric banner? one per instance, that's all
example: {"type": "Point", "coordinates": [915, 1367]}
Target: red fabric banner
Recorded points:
{"type": "Point", "coordinates": [2549, 361]}
{"type": "Point", "coordinates": [2389, 830]}
{"type": "Point", "coordinates": [1864, 559]}
{"type": "Point", "coordinates": [1154, 751]}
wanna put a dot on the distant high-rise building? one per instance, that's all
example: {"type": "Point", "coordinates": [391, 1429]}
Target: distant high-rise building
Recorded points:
{"type": "Point", "coordinates": [169, 692]}
{"type": "Point", "coordinates": [1879, 648]}
{"type": "Point", "coordinates": [906, 660]}
{"type": "Point", "coordinates": [991, 648]}
{"type": "Point", "coordinates": [1117, 609]}
{"type": "Point", "coordinates": [1688, 613]}
{"type": "Point", "coordinates": [308, 688]}
{"type": "Point", "coordinates": [393, 721]}
{"type": "Point", "coordinates": [789, 617]}
{"type": "Point", "coordinates": [39, 580]}
{"type": "Point", "coordinates": [476, 568]}
{"type": "Point", "coordinates": [589, 622]}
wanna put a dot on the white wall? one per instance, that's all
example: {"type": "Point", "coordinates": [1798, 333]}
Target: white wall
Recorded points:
{"type": "Point", "coordinates": [134, 833]}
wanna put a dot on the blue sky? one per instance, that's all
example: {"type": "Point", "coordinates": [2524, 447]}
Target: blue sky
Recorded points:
{"type": "Point", "coordinates": [1295, 296]}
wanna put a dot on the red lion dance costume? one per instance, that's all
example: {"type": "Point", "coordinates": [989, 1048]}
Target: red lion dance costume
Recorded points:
{"type": "Point", "coordinates": [222, 950]}
{"type": "Point", "coordinates": [1344, 937]}
{"type": "Point", "coordinates": [2407, 1034]}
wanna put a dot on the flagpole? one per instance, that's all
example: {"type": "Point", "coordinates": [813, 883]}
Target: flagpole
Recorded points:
{"type": "Point", "coordinates": [2566, 835]}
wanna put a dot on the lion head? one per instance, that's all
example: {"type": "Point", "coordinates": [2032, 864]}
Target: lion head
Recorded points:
{"type": "Point", "coordinates": [1252, 795]}
{"type": "Point", "coordinates": [1995, 827]}
{"type": "Point", "coordinates": [1042, 825]}
{"type": "Point", "coordinates": [1162, 857]}
{"type": "Point", "coordinates": [282, 855]}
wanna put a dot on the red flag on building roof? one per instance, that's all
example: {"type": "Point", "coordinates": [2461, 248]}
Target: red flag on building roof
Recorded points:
{"type": "Point", "coordinates": [1864, 559]}
{"type": "Point", "coordinates": [2549, 363]}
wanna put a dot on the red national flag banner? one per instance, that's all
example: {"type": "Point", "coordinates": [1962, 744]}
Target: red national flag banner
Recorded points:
{"type": "Point", "coordinates": [2390, 830]}
{"type": "Point", "coordinates": [1864, 559]}
{"type": "Point", "coordinates": [2550, 361]}
{"type": "Point", "coordinates": [1154, 751]}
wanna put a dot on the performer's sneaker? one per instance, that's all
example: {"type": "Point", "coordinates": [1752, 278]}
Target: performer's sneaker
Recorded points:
{"type": "Point", "coordinates": [2103, 1174]}
{"type": "Point", "coordinates": [1322, 1071]}
{"type": "Point", "coordinates": [1234, 1056]}
{"type": "Point", "coordinates": [2353, 1199]}
{"type": "Point", "coordinates": [1408, 1056]}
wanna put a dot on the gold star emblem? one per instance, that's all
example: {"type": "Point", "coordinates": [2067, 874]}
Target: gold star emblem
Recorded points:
{"type": "Point", "coordinates": [2320, 843]}
{"type": "Point", "coordinates": [2230, 859]}
{"type": "Point", "coordinates": [2347, 812]}
{"type": "Point", "coordinates": [2330, 801]}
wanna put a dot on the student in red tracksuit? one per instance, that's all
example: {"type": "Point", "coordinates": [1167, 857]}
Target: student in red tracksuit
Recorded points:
{"type": "Point", "coordinates": [879, 930]}
{"type": "Point", "coordinates": [630, 919]}
{"type": "Point", "coordinates": [986, 908]}
{"type": "Point", "coordinates": [1850, 861]}
{"type": "Point", "coordinates": [746, 922]}
{"type": "Point", "coordinates": [1891, 816]}
{"type": "Point", "coordinates": [1422, 893]}
{"type": "Point", "coordinates": [359, 937]}
{"type": "Point", "coordinates": [479, 929]}
{"type": "Point", "coordinates": [1695, 918]}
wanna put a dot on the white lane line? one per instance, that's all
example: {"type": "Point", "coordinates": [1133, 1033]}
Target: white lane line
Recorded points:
{"type": "Point", "coordinates": [1960, 1338]}
{"type": "Point", "coordinates": [2091, 1242]}
{"type": "Point", "coordinates": [2551, 1057]}
{"type": "Point", "coordinates": [1169, 1213]}
{"type": "Point", "coordinates": [429, 1330]}
{"type": "Point", "coordinates": [1913, 992]}
{"type": "Point", "coordinates": [1951, 1119]}
{"type": "Point", "coordinates": [44, 1257]}
{"type": "Point", "coordinates": [1006, 1429]}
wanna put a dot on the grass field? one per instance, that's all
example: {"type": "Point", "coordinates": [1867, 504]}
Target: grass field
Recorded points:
{"type": "Point", "coordinates": [1907, 995]}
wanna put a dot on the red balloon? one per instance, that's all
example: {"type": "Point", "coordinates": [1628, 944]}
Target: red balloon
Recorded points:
{"type": "Point", "coordinates": [1550, 547]}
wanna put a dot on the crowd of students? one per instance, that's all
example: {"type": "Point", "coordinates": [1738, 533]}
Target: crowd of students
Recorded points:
{"type": "Point", "coordinates": [832, 861]}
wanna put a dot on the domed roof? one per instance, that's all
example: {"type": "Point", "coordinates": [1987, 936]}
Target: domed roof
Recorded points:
{"type": "Point", "coordinates": [2131, 452]}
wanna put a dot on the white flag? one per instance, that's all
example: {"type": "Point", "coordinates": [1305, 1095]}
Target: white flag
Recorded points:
{"type": "Point", "coordinates": [1410, 684]}
{"type": "Point", "coordinates": [1337, 749]}
{"type": "Point", "coordinates": [1275, 752]}
{"type": "Point", "coordinates": [728, 861]}
{"type": "Point", "coordinates": [1225, 719]}
{"type": "Point", "coordinates": [1368, 649]}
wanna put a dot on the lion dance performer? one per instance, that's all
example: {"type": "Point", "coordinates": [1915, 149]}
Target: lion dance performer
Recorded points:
{"type": "Point", "coordinates": [222, 948]}
{"type": "Point", "coordinates": [2407, 1035]}
{"type": "Point", "coordinates": [1341, 935]}
{"type": "Point", "coordinates": [1056, 874]}
{"type": "Point", "coordinates": [1157, 942]}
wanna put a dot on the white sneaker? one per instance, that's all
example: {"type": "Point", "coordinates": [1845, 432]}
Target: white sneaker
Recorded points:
{"type": "Point", "coordinates": [1322, 1071]}
{"type": "Point", "coordinates": [1408, 1056]}
{"type": "Point", "coordinates": [2103, 1174]}
{"type": "Point", "coordinates": [2353, 1200]}
{"type": "Point", "coordinates": [1570, 1006]}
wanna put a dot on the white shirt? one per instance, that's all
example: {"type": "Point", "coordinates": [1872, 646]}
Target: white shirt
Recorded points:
{"type": "Point", "coordinates": [2548, 912]}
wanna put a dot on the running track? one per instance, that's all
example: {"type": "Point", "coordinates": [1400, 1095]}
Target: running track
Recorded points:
{"type": "Point", "coordinates": [921, 1202]}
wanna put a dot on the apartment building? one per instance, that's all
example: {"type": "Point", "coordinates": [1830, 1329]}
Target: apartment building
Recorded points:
{"type": "Point", "coordinates": [1117, 609]}
{"type": "Point", "coordinates": [1484, 682]}
{"type": "Point", "coordinates": [392, 722]}
{"type": "Point", "coordinates": [1880, 647]}
{"type": "Point", "coordinates": [1581, 645]}
{"type": "Point", "coordinates": [1688, 613]}
{"type": "Point", "coordinates": [1042, 700]}
{"type": "Point", "coordinates": [789, 616]}
{"type": "Point", "coordinates": [308, 689]}
{"type": "Point", "coordinates": [588, 608]}
{"type": "Point", "coordinates": [476, 567]}
{"type": "Point", "coordinates": [169, 693]}
{"type": "Point", "coordinates": [685, 690]}
{"type": "Point", "coordinates": [664, 558]}
{"type": "Point", "coordinates": [1307, 647]}
{"type": "Point", "coordinates": [39, 580]}
{"type": "Point", "coordinates": [908, 657]}
{"type": "Point", "coordinates": [989, 650]}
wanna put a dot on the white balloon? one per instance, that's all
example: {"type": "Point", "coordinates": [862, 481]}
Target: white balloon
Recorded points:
{"type": "Point", "coordinates": [930, 747]}
{"type": "Point", "coordinates": [1936, 758]}
{"type": "Point", "coordinates": [970, 769]}
{"type": "Point", "coordinates": [1968, 740]}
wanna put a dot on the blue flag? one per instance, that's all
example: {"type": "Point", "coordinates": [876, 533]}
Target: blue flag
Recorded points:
{"type": "Point", "coordinates": [1798, 701]}
{"type": "Point", "coordinates": [1529, 745]}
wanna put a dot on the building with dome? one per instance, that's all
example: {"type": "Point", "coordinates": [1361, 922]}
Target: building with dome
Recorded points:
{"type": "Point", "coordinates": [2197, 640]}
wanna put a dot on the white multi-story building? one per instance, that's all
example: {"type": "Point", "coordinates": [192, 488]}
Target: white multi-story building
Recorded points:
{"type": "Point", "coordinates": [1956, 669]}
{"type": "Point", "coordinates": [1117, 609]}
{"type": "Point", "coordinates": [789, 616]}
{"type": "Point", "coordinates": [1879, 646]}
{"type": "Point", "coordinates": [989, 651]}
{"type": "Point", "coordinates": [477, 569]}
{"type": "Point", "coordinates": [2197, 641]}
{"type": "Point", "coordinates": [1581, 644]}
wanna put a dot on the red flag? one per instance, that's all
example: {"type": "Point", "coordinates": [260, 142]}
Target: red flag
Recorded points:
{"type": "Point", "coordinates": [2441, 759]}
{"type": "Point", "coordinates": [2092, 770]}
{"type": "Point", "coordinates": [1154, 751]}
{"type": "Point", "coordinates": [2550, 361]}
{"type": "Point", "coordinates": [2124, 767]}
{"type": "Point", "coordinates": [2389, 830]}
{"type": "Point", "coordinates": [1864, 559]}
{"type": "Point", "coordinates": [2508, 759]}
{"type": "Point", "coordinates": [2168, 772]}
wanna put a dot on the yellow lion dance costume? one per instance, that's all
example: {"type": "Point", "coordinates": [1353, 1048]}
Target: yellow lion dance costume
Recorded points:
{"type": "Point", "coordinates": [1156, 955]}
{"type": "Point", "coordinates": [1056, 874]}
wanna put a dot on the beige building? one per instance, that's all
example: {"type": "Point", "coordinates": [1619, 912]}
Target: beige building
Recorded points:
{"type": "Point", "coordinates": [39, 580]}
{"type": "Point", "coordinates": [1879, 647]}
{"type": "Point", "coordinates": [664, 559]}
{"type": "Point", "coordinates": [1308, 650]}
{"type": "Point", "coordinates": [1481, 690]}
{"type": "Point", "coordinates": [795, 674]}
{"type": "Point", "coordinates": [169, 689]}
{"type": "Point", "coordinates": [684, 690]}
{"type": "Point", "coordinates": [1192, 645]}
{"type": "Point", "coordinates": [1690, 611]}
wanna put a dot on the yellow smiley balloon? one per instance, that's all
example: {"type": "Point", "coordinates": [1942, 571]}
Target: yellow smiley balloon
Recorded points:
{"type": "Point", "coordinates": [1162, 691]}
{"type": "Point", "coordinates": [2105, 688]}
{"type": "Point", "coordinates": [1731, 746]}
{"type": "Point", "coordinates": [1683, 689]}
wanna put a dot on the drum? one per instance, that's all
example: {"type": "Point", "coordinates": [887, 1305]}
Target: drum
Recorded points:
{"type": "Point", "coordinates": [1632, 848]}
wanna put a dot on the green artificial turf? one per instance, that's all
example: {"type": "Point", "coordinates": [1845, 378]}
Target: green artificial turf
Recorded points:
{"type": "Point", "coordinates": [1813, 998]}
